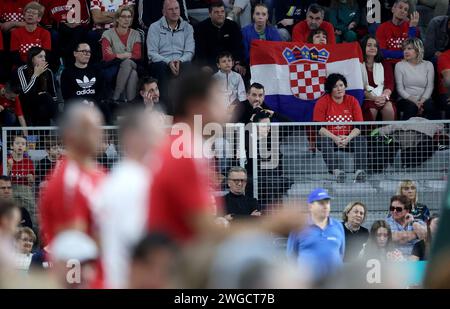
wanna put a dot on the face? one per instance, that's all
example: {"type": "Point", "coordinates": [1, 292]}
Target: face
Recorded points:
{"type": "Point", "coordinates": [371, 48]}
{"type": "Point", "coordinates": [314, 20]}
{"type": "Point", "coordinates": [400, 11]}
{"type": "Point", "coordinates": [8, 95]}
{"type": "Point", "coordinates": [31, 16]}
{"type": "Point", "coordinates": [356, 215]}
{"type": "Point", "coordinates": [409, 191]}
{"type": "Point", "coordinates": [39, 59]}
{"type": "Point", "coordinates": [54, 151]}
{"type": "Point", "coordinates": [255, 97]}
{"type": "Point", "coordinates": [338, 90]}
{"type": "Point", "coordinates": [82, 54]}
{"type": "Point", "coordinates": [19, 145]}
{"type": "Point", "coordinates": [125, 19]}
{"type": "Point", "coordinates": [217, 16]}
{"type": "Point", "coordinates": [87, 135]}
{"type": "Point", "coordinates": [151, 89]}
{"type": "Point", "coordinates": [264, 129]}
{"type": "Point", "coordinates": [261, 16]}
{"type": "Point", "coordinates": [320, 209]}
{"type": "Point", "coordinates": [434, 226]}
{"type": "Point", "coordinates": [409, 53]}
{"type": "Point", "coordinates": [5, 189]}
{"type": "Point", "coordinates": [382, 237]}
{"type": "Point", "coordinates": [320, 38]}
{"type": "Point", "coordinates": [25, 243]}
{"type": "Point", "coordinates": [396, 214]}
{"type": "Point", "coordinates": [10, 222]}
{"type": "Point", "coordinates": [225, 64]}
{"type": "Point", "coordinates": [237, 181]}
{"type": "Point", "coordinates": [171, 10]}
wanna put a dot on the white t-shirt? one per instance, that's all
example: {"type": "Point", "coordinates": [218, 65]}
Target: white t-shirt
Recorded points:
{"type": "Point", "coordinates": [245, 18]}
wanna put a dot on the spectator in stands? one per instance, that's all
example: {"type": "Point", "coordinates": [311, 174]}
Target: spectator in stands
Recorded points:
{"type": "Point", "coordinates": [218, 34]}
{"type": "Point", "coordinates": [391, 34]}
{"type": "Point", "coordinates": [437, 39]}
{"type": "Point", "coordinates": [240, 11]}
{"type": "Point", "coordinates": [406, 231]}
{"type": "Point", "coordinates": [344, 16]}
{"type": "Point", "coordinates": [25, 240]}
{"type": "Point", "coordinates": [11, 14]}
{"type": "Point", "coordinates": [260, 29]}
{"type": "Point", "coordinates": [237, 204]}
{"type": "Point", "coordinates": [443, 71]}
{"type": "Point", "coordinates": [414, 78]}
{"type": "Point", "coordinates": [440, 6]}
{"type": "Point", "coordinates": [378, 81]}
{"type": "Point", "coordinates": [232, 83]}
{"type": "Point", "coordinates": [170, 45]}
{"type": "Point", "coordinates": [336, 106]}
{"type": "Point", "coordinates": [318, 36]}
{"type": "Point", "coordinates": [422, 248]}
{"type": "Point", "coordinates": [21, 170]}
{"type": "Point", "coordinates": [9, 220]}
{"type": "Point", "coordinates": [30, 35]}
{"type": "Point", "coordinates": [37, 93]}
{"type": "Point", "coordinates": [151, 11]}
{"type": "Point", "coordinates": [149, 92]}
{"type": "Point", "coordinates": [380, 245]}
{"type": "Point", "coordinates": [419, 211]}
{"type": "Point", "coordinates": [288, 13]}
{"type": "Point", "coordinates": [122, 49]}
{"type": "Point", "coordinates": [320, 246]}
{"type": "Point", "coordinates": [7, 193]}
{"type": "Point", "coordinates": [68, 25]}
{"type": "Point", "coordinates": [10, 106]}
{"type": "Point", "coordinates": [255, 99]}
{"type": "Point", "coordinates": [356, 235]}
{"type": "Point", "coordinates": [314, 20]}
{"type": "Point", "coordinates": [45, 166]}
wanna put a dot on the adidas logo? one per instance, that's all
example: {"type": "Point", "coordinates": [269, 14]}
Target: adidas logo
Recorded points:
{"type": "Point", "coordinates": [86, 91]}
{"type": "Point", "coordinates": [86, 83]}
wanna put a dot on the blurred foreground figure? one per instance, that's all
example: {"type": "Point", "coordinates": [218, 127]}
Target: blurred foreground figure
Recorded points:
{"type": "Point", "coordinates": [9, 221]}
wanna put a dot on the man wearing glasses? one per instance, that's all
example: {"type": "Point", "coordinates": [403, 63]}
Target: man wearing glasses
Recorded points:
{"type": "Point", "coordinates": [405, 230]}
{"type": "Point", "coordinates": [237, 204]}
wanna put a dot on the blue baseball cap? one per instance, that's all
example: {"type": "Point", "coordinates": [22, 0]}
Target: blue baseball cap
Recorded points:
{"type": "Point", "coordinates": [318, 195]}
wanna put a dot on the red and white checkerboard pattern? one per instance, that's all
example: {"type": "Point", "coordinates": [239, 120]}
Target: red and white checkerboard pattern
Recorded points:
{"type": "Point", "coordinates": [307, 80]}
{"type": "Point", "coordinates": [11, 16]}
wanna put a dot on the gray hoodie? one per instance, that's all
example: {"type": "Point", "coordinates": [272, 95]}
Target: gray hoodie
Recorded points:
{"type": "Point", "coordinates": [166, 45]}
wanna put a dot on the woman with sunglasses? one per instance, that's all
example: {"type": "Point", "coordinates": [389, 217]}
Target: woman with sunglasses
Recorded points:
{"type": "Point", "coordinates": [419, 211]}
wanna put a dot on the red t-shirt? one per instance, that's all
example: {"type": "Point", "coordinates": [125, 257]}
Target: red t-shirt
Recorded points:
{"type": "Point", "coordinates": [301, 31]}
{"type": "Point", "coordinates": [15, 106]}
{"type": "Point", "coordinates": [20, 171]}
{"type": "Point", "coordinates": [443, 64]}
{"type": "Point", "coordinates": [391, 37]}
{"type": "Point", "coordinates": [56, 11]}
{"type": "Point", "coordinates": [327, 110]}
{"type": "Point", "coordinates": [179, 192]}
{"type": "Point", "coordinates": [12, 10]}
{"type": "Point", "coordinates": [65, 198]}
{"type": "Point", "coordinates": [22, 40]}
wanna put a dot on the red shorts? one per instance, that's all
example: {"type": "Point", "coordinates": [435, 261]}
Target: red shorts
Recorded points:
{"type": "Point", "coordinates": [368, 105]}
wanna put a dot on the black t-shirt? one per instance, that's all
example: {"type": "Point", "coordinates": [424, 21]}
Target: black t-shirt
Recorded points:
{"type": "Point", "coordinates": [240, 205]}
{"type": "Point", "coordinates": [81, 83]}
{"type": "Point", "coordinates": [354, 242]}
{"type": "Point", "coordinates": [419, 250]}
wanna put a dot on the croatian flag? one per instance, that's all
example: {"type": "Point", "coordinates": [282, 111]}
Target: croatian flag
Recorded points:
{"type": "Point", "coordinates": [293, 73]}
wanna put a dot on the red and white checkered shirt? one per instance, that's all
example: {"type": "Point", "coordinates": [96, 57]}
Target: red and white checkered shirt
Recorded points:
{"type": "Point", "coordinates": [12, 10]}
{"type": "Point", "coordinates": [108, 6]}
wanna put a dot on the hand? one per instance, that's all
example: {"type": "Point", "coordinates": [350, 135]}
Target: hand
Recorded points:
{"type": "Point", "coordinates": [9, 165]}
{"type": "Point", "coordinates": [414, 19]}
{"type": "Point", "coordinates": [1, 108]}
{"type": "Point", "coordinates": [207, 70]}
{"type": "Point", "coordinates": [30, 178]}
{"type": "Point", "coordinates": [338, 32]}
{"type": "Point", "coordinates": [270, 112]}
{"type": "Point", "coordinates": [437, 54]}
{"type": "Point", "coordinates": [40, 68]}
{"type": "Point", "coordinates": [173, 68]}
{"type": "Point", "coordinates": [240, 69]}
{"type": "Point", "coordinates": [108, 50]}
{"type": "Point", "coordinates": [222, 222]}
{"type": "Point", "coordinates": [419, 104]}
{"type": "Point", "coordinates": [124, 56]}
{"type": "Point", "coordinates": [380, 101]}
{"type": "Point", "coordinates": [344, 141]}
{"type": "Point", "coordinates": [148, 100]}
{"type": "Point", "coordinates": [229, 217]}
{"type": "Point", "coordinates": [420, 231]}
{"type": "Point", "coordinates": [287, 22]}
{"type": "Point", "coordinates": [352, 25]}
{"type": "Point", "coordinates": [256, 213]}
{"type": "Point", "coordinates": [409, 218]}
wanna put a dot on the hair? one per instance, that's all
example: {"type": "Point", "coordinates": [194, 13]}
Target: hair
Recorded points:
{"type": "Point", "coordinates": [120, 11]}
{"type": "Point", "coordinates": [331, 81]}
{"type": "Point", "coordinates": [131, 121]}
{"type": "Point", "coordinates": [191, 89]}
{"type": "Point", "coordinates": [224, 54]}
{"type": "Point", "coordinates": [260, 114]}
{"type": "Point", "coordinates": [5, 178]}
{"type": "Point", "coordinates": [215, 4]}
{"type": "Point", "coordinates": [403, 200]}
{"type": "Point", "coordinates": [70, 119]}
{"type": "Point", "coordinates": [151, 243]}
{"type": "Point", "coordinates": [16, 137]}
{"type": "Point", "coordinates": [236, 169]}
{"type": "Point", "coordinates": [314, 32]}
{"type": "Point", "coordinates": [349, 208]}
{"type": "Point", "coordinates": [145, 81]}
{"type": "Point", "coordinates": [26, 230]}
{"type": "Point", "coordinates": [401, 1]}
{"type": "Point", "coordinates": [363, 43]}
{"type": "Point", "coordinates": [417, 44]}
{"type": "Point", "coordinates": [372, 241]}
{"type": "Point", "coordinates": [75, 48]}
{"type": "Point", "coordinates": [405, 183]}
{"type": "Point", "coordinates": [7, 206]}
{"type": "Point", "coordinates": [33, 52]}
{"type": "Point", "coordinates": [315, 8]}
{"type": "Point", "coordinates": [35, 6]}
{"type": "Point", "coordinates": [256, 86]}
{"type": "Point", "coordinates": [335, 3]}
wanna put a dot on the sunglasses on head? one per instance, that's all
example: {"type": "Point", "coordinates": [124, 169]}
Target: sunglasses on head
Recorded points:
{"type": "Point", "coordinates": [396, 209]}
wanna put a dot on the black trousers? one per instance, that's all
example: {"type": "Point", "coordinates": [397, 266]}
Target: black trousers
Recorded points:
{"type": "Point", "coordinates": [410, 109]}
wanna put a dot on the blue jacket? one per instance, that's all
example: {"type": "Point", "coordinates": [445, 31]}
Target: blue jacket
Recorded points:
{"type": "Point", "coordinates": [249, 34]}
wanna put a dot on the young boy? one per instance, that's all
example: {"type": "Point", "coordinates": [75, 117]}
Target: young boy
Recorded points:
{"type": "Point", "coordinates": [21, 170]}
{"type": "Point", "coordinates": [10, 107]}
{"type": "Point", "coordinates": [46, 165]}
{"type": "Point", "coordinates": [233, 85]}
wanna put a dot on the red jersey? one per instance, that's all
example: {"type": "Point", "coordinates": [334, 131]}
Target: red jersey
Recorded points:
{"type": "Point", "coordinates": [327, 110]}
{"type": "Point", "coordinates": [20, 171]}
{"type": "Point", "coordinates": [12, 10]}
{"type": "Point", "coordinates": [179, 192]}
{"type": "Point", "coordinates": [22, 40]}
{"type": "Point", "coordinates": [58, 11]}
{"type": "Point", "coordinates": [391, 37]}
{"type": "Point", "coordinates": [443, 64]}
{"type": "Point", "coordinates": [65, 198]}
{"type": "Point", "coordinates": [14, 106]}
{"type": "Point", "coordinates": [301, 31]}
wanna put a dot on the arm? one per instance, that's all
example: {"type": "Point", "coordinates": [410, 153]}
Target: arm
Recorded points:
{"type": "Point", "coordinates": [392, 54]}
{"type": "Point", "coordinates": [136, 54]}
{"type": "Point", "coordinates": [430, 39]}
{"type": "Point", "coordinates": [189, 45]}
{"type": "Point", "coordinates": [399, 75]}
{"type": "Point", "coordinates": [331, 36]}
{"type": "Point", "coordinates": [388, 77]}
{"type": "Point", "coordinates": [101, 18]}
{"type": "Point", "coordinates": [9, 25]}
{"type": "Point", "coordinates": [446, 78]}
{"type": "Point", "coordinates": [403, 237]}
{"type": "Point", "coordinates": [152, 45]}
{"type": "Point", "coordinates": [107, 51]}
{"type": "Point", "coordinates": [430, 81]}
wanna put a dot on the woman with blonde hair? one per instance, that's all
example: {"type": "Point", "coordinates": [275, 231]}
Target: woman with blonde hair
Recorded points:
{"type": "Point", "coordinates": [356, 235]}
{"type": "Point", "coordinates": [25, 239]}
{"type": "Point", "coordinates": [419, 211]}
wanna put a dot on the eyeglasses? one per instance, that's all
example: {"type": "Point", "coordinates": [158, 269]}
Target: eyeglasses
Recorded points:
{"type": "Point", "coordinates": [239, 180]}
{"type": "Point", "coordinates": [396, 209]}
{"type": "Point", "coordinates": [84, 52]}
